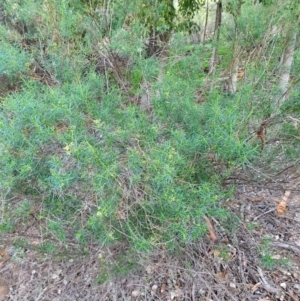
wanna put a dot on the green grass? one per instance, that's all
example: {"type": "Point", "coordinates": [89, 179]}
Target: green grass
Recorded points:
{"type": "Point", "coordinates": [269, 259]}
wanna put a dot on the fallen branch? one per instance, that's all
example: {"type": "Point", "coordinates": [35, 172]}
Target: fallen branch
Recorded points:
{"type": "Point", "coordinates": [257, 217]}
{"type": "Point", "coordinates": [267, 286]}
{"type": "Point", "coordinates": [287, 246]}
{"type": "Point", "coordinates": [288, 167]}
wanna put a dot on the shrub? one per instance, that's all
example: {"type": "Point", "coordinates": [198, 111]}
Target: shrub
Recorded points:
{"type": "Point", "coordinates": [90, 161]}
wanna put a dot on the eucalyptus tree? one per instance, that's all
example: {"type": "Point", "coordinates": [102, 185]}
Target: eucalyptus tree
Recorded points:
{"type": "Point", "coordinates": [287, 27]}
{"type": "Point", "coordinates": [161, 18]}
{"type": "Point", "coordinates": [290, 32]}
{"type": "Point", "coordinates": [158, 18]}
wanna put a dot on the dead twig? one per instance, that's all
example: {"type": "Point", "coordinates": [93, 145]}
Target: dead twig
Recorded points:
{"type": "Point", "coordinates": [193, 292]}
{"type": "Point", "coordinates": [267, 286]}
{"type": "Point", "coordinates": [288, 167]}
{"type": "Point", "coordinates": [287, 246]}
{"type": "Point", "coordinates": [257, 217]}
{"type": "Point", "coordinates": [241, 265]}
{"type": "Point", "coordinates": [41, 294]}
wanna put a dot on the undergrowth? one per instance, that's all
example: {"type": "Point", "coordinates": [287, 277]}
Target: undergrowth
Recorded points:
{"type": "Point", "coordinates": [80, 155]}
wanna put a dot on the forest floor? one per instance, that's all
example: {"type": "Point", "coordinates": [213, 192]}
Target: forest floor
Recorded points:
{"type": "Point", "coordinates": [256, 258]}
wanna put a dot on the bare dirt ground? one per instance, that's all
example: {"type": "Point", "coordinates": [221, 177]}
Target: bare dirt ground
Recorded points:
{"type": "Point", "coordinates": [256, 257]}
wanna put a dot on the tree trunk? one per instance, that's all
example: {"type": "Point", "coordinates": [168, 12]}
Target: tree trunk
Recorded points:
{"type": "Point", "coordinates": [206, 21]}
{"type": "Point", "coordinates": [218, 22]}
{"type": "Point", "coordinates": [287, 62]}
{"type": "Point", "coordinates": [157, 42]}
{"type": "Point", "coordinates": [234, 68]}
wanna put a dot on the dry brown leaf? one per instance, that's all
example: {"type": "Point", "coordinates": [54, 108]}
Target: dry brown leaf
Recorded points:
{"type": "Point", "coordinates": [261, 134]}
{"type": "Point", "coordinates": [221, 276]}
{"type": "Point", "coordinates": [240, 74]}
{"type": "Point", "coordinates": [61, 127]}
{"type": "Point", "coordinates": [216, 253]}
{"type": "Point", "coordinates": [212, 234]}
{"type": "Point", "coordinates": [286, 195]}
{"type": "Point", "coordinates": [281, 207]}
{"type": "Point", "coordinates": [4, 254]}
{"type": "Point", "coordinates": [255, 287]}
{"type": "Point", "coordinates": [163, 288]}
{"type": "Point", "coordinates": [4, 289]}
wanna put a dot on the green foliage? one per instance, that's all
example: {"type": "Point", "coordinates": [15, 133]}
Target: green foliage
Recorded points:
{"type": "Point", "coordinates": [234, 7]}
{"type": "Point", "coordinates": [7, 224]}
{"type": "Point", "coordinates": [268, 259]}
{"type": "Point", "coordinates": [122, 264]}
{"type": "Point", "coordinates": [250, 34]}
{"type": "Point", "coordinates": [56, 229]}
{"type": "Point", "coordinates": [157, 14]}
{"type": "Point", "coordinates": [267, 2]}
{"type": "Point", "coordinates": [190, 7]}
{"type": "Point", "coordinates": [94, 164]}
{"type": "Point", "coordinates": [56, 140]}
{"type": "Point", "coordinates": [48, 248]}
{"type": "Point", "coordinates": [13, 62]}
{"type": "Point", "coordinates": [252, 226]}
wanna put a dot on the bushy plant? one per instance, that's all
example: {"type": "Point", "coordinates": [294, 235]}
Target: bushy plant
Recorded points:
{"type": "Point", "coordinates": [90, 159]}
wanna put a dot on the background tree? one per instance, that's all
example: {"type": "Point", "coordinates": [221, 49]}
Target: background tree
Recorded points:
{"type": "Point", "coordinates": [290, 34]}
